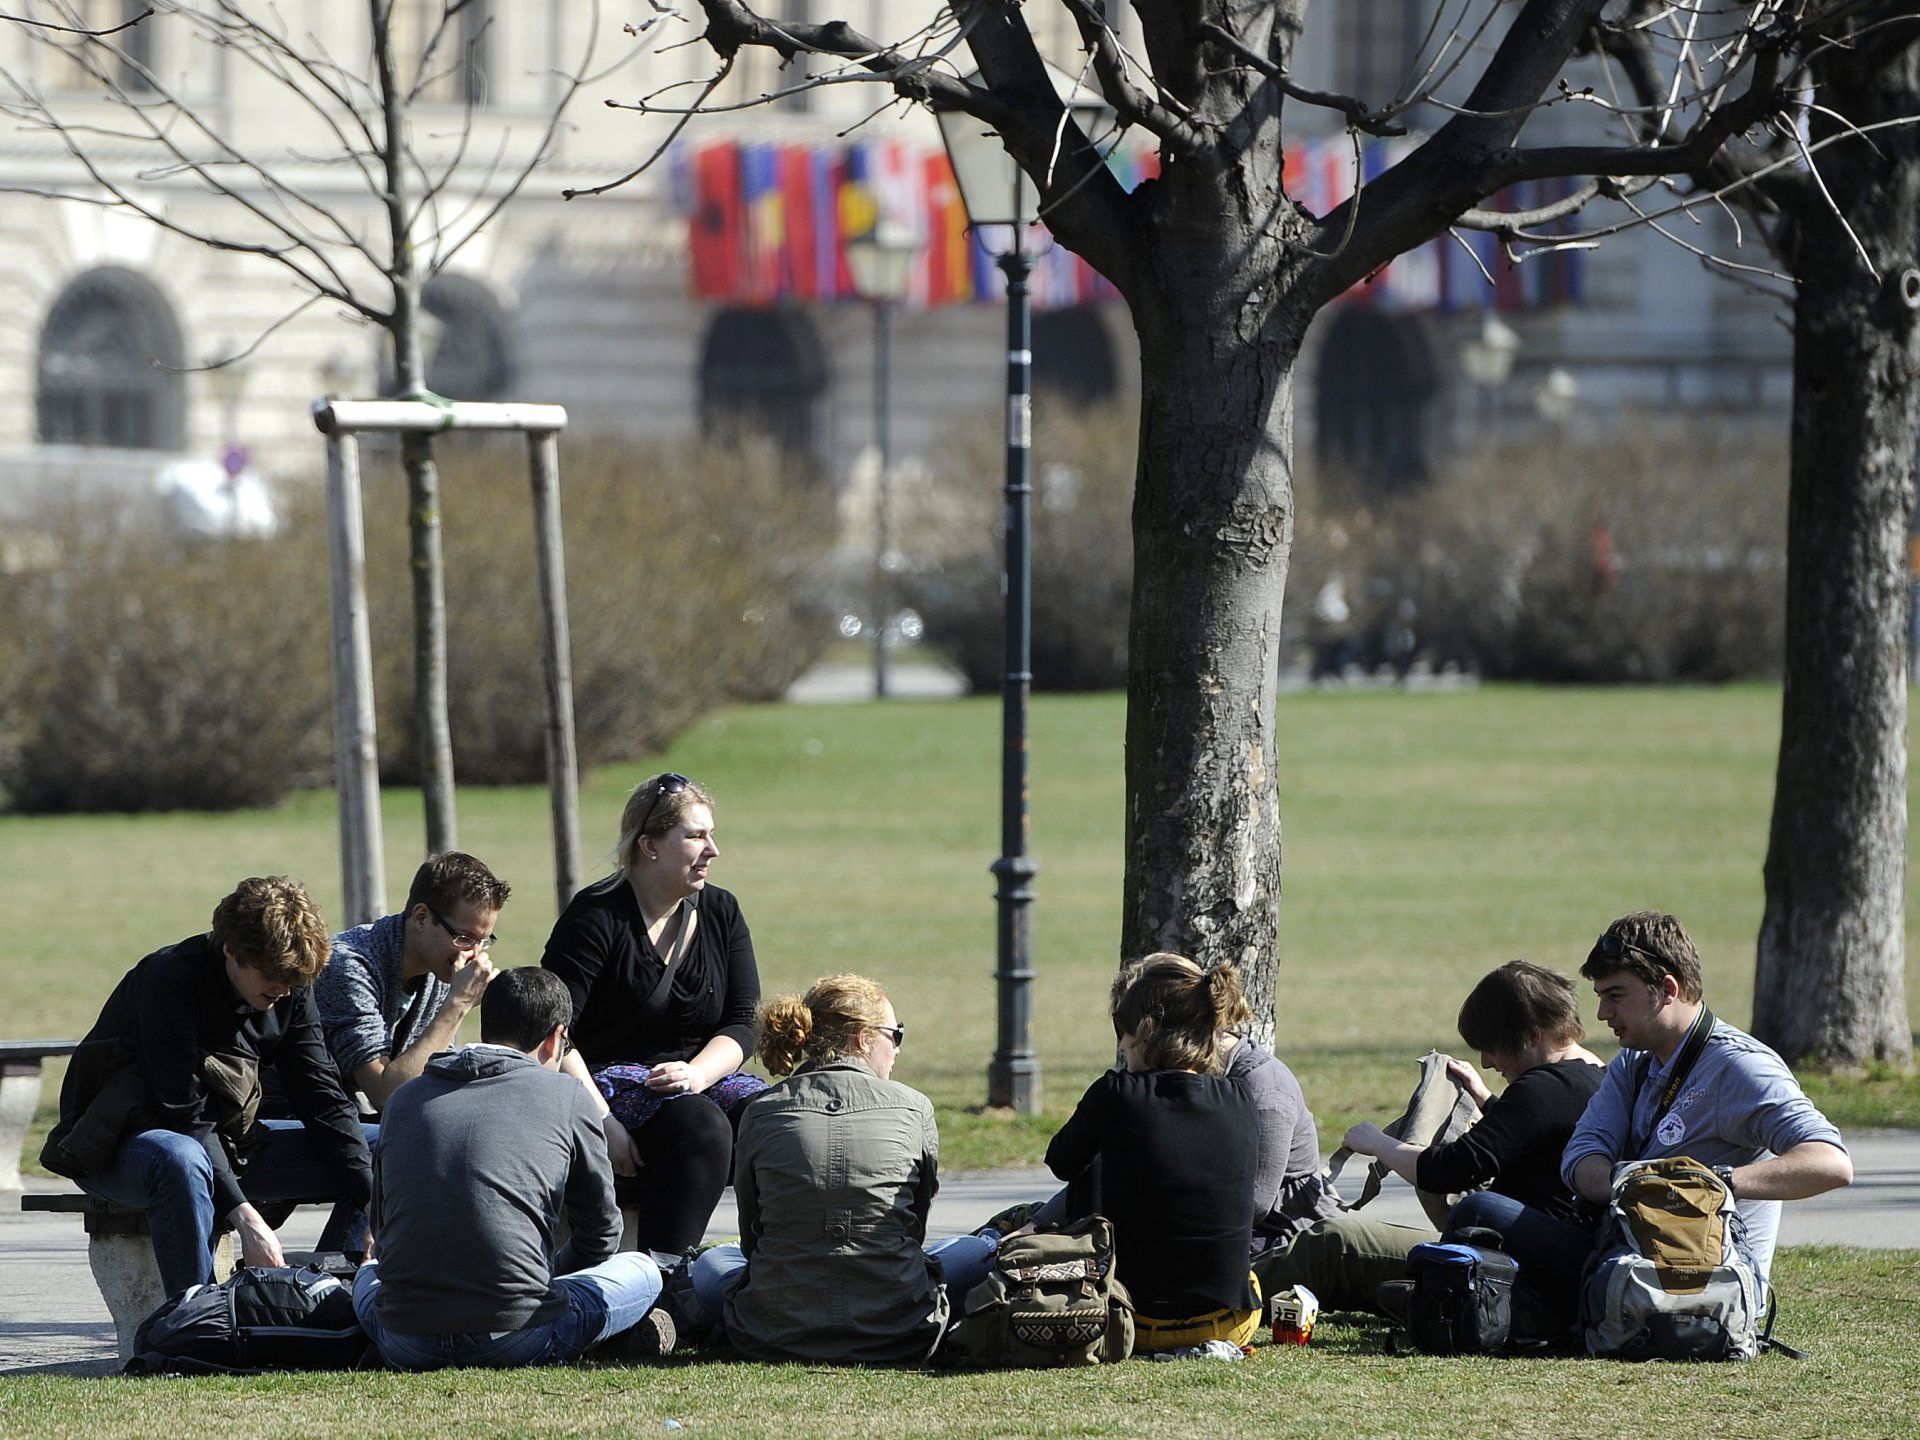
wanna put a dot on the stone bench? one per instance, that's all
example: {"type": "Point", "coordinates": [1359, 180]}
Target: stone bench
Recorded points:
{"type": "Point", "coordinates": [120, 1254]}
{"type": "Point", "coordinates": [20, 1062]}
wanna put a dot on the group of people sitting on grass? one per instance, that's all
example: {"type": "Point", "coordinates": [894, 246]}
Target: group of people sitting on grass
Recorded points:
{"type": "Point", "coordinates": [216, 1089]}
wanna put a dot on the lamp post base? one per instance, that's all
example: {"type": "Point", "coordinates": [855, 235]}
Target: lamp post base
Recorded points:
{"type": "Point", "coordinates": [1013, 1083]}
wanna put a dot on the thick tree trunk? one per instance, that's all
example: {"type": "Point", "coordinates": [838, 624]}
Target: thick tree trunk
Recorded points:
{"type": "Point", "coordinates": [1212, 527]}
{"type": "Point", "coordinates": [1830, 981]}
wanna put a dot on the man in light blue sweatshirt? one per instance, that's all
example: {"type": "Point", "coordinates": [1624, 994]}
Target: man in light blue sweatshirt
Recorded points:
{"type": "Point", "coordinates": [1735, 1104]}
{"type": "Point", "coordinates": [477, 1158]}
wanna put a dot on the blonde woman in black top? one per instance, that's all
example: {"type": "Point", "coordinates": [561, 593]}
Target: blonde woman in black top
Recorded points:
{"type": "Point", "coordinates": [660, 966]}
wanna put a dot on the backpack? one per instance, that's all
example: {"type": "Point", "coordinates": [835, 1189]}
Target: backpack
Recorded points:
{"type": "Point", "coordinates": [1462, 1300]}
{"type": "Point", "coordinates": [1050, 1299]}
{"type": "Point", "coordinates": [1670, 1279]}
{"type": "Point", "coordinates": [260, 1319]}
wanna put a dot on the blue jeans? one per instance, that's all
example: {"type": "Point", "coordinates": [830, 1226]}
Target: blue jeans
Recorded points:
{"type": "Point", "coordinates": [170, 1176]}
{"type": "Point", "coordinates": [601, 1302]}
{"type": "Point", "coordinates": [964, 1262]}
{"type": "Point", "coordinates": [1552, 1252]}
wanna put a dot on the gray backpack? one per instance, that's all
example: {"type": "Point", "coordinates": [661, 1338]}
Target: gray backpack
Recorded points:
{"type": "Point", "coordinates": [1670, 1279]}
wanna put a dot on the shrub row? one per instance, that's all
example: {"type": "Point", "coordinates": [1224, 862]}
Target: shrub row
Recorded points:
{"type": "Point", "coordinates": [140, 670]}
{"type": "Point", "coordinates": [1655, 554]}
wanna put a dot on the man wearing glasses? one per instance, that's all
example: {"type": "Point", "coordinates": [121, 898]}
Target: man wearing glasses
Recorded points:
{"type": "Point", "coordinates": [395, 991]}
{"type": "Point", "coordinates": [1685, 1083]}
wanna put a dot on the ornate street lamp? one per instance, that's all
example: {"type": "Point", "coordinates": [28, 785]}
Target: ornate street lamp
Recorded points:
{"type": "Point", "coordinates": [998, 193]}
{"type": "Point", "coordinates": [882, 264]}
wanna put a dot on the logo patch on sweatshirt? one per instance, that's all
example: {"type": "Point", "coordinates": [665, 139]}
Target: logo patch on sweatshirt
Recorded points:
{"type": "Point", "coordinates": [1672, 1130]}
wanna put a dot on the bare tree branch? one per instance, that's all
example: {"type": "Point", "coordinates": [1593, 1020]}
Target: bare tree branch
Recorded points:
{"type": "Point", "coordinates": [1359, 115]}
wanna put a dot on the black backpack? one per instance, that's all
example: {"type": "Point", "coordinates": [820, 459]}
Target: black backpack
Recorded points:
{"type": "Point", "coordinates": [261, 1319]}
{"type": "Point", "coordinates": [1462, 1302]}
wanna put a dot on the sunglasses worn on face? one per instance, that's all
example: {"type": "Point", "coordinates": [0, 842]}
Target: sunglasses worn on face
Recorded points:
{"type": "Point", "coordinates": [671, 783]}
{"type": "Point", "coordinates": [895, 1033]}
{"type": "Point", "coordinates": [460, 938]}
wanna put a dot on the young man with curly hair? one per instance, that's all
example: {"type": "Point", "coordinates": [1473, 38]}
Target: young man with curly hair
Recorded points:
{"type": "Point", "coordinates": [160, 1108]}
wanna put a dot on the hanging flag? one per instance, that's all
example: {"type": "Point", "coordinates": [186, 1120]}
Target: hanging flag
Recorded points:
{"type": "Point", "coordinates": [717, 231]}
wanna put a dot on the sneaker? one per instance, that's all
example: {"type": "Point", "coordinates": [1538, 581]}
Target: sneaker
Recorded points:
{"type": "Point", "coordinates": [654, 1335]}
{"type": "Point", "coordinates": [1395, 1299]}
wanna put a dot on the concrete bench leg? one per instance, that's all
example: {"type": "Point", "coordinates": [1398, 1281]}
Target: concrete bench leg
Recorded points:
{"type": "Point", "coordinates": [19, 1100]}
{"type": "Point", "coordinates": [129, 1280]}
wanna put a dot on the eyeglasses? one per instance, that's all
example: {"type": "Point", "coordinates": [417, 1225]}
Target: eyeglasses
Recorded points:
{"type": "Point", "coordinates": [566, 1041]}
{"type": "Point", "coordinates": [671, 783]}
{"type": "Point", "coordinates": [895, 1033]}
{"type": "Point", "coordinates": [461, 939]}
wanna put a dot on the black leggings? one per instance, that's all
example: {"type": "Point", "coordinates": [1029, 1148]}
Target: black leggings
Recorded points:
{"type": "Point", "coordinates": [687, 1149]}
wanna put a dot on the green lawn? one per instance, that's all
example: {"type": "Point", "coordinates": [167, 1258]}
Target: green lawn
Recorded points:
{"type": "Point", "coordinates": [1851, 1309]}
{"type": "Point", "coordinates": [1428, 838]}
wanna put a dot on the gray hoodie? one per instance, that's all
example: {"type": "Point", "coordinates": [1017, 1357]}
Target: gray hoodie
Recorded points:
{"type": "Point", "coordinates": [476, 1159]}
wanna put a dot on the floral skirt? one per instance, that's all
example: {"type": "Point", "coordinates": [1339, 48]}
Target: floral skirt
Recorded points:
{"type": "Point", "coordinates": [625, 1087]}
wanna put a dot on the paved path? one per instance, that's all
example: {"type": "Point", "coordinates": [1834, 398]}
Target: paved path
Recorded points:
{"type": "Point", "coordinates": [52, 1318]}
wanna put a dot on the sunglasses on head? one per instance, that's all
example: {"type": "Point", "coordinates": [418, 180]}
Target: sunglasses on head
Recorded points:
{"type": "Point", "coordinates": [1614, 946]}
{"type": "Point", "coordinates": [671, 783]}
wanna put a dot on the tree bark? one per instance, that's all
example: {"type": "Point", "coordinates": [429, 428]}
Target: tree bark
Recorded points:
{"type": "Point", "coordinates": [1830, 981]}
{"type": "Point", "coordinates": [1212, 527]}
{"type": "Point", "coordinates": [432, 734]}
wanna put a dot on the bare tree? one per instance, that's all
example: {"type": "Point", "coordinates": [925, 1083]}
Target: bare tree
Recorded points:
{"type": "Point", "coordinates": [414, 195]}
{"type": "Point", "coordinates": [1842, 221]}
{"type": "Point", "coordinates": [1223, 273]}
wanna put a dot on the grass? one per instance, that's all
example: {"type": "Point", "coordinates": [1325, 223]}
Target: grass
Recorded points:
{"type": "Point", "coordinates": [1428, 838]}
{"type": "Point", "coordinates": [1852, 1310]}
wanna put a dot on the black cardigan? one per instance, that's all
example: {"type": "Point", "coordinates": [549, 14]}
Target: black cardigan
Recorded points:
{"type": "Point", "coordinates": [174, 1009]}
{"type": "Point", "coordinates": [1178, 1154]}
{"type": "Point", "coordinates": [597, 948]}
{"type": "Point", "coordinates": [1515, 1145]}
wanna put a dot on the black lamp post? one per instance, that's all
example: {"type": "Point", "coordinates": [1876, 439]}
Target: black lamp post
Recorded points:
{"type": "Point", "coordinates": [997, 192]}
{"type": "Point", "coordinates": [882, 265]}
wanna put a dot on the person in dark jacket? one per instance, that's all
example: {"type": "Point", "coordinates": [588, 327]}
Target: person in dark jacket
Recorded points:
{"type": "Point", "coordinates": [160, 1108]}
{"type": "Point", "coordinates": [661, 971]}
{"type": "Point", "coordinates": [1525, 1022]}
{"type": "Point", "coordinates": [1177, 1147]}
{"type": "Point", "coordinates": [479, 1156]}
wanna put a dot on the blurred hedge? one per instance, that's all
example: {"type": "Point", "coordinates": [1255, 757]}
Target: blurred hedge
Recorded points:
{"type": "Point", "coordinates": [1656, 553]}
{"type": "Point", "coordinates": [140, 670]}
{"type": "Point", "coordinates": [1083, 462]}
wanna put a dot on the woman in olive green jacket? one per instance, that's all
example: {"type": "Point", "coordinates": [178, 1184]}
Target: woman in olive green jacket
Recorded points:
{"type": "Point", "coordinates": [835, 1172]}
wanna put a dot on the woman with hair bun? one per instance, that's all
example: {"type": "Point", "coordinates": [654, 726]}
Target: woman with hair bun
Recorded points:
{"type": "Point", "coordinates": [1178, 1146]}
{"type": "Point", "coordinates": [835, 1174]}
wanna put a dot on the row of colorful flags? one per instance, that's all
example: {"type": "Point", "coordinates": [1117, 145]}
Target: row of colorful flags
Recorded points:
{"type": "Point", "coordinates": [771, 221]}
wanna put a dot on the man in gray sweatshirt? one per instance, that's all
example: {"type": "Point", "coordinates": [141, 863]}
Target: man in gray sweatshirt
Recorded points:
{"type": "Point", "coordinates": [477, 1157]}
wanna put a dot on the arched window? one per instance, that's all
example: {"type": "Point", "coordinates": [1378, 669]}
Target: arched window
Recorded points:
{"type": "Point", "coordinates": [109, 371]}
{"type": "Point", "coordinates": [1073, 355]}
{"type": "Point", "coordinates": [472, 358]}
{"type": "Point", "coordinates": [762, 373]}
{"type": "Point", "coordinates": [1373, 397]}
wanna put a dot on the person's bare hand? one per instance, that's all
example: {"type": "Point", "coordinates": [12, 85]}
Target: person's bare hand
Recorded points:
{"type": "Point", "coordinates": [676, 1077]}
{"type": "Point", "coordinates": [258, 1244]}
{"type": "Point", "coordinates": [1469, 1080]}
{"type": "Point", "coordinates": [470, 980]}
{"type": "Point", "coordinates": [1367, 1138]}
{"type": "Point", "coordinates": [620, 1147]}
